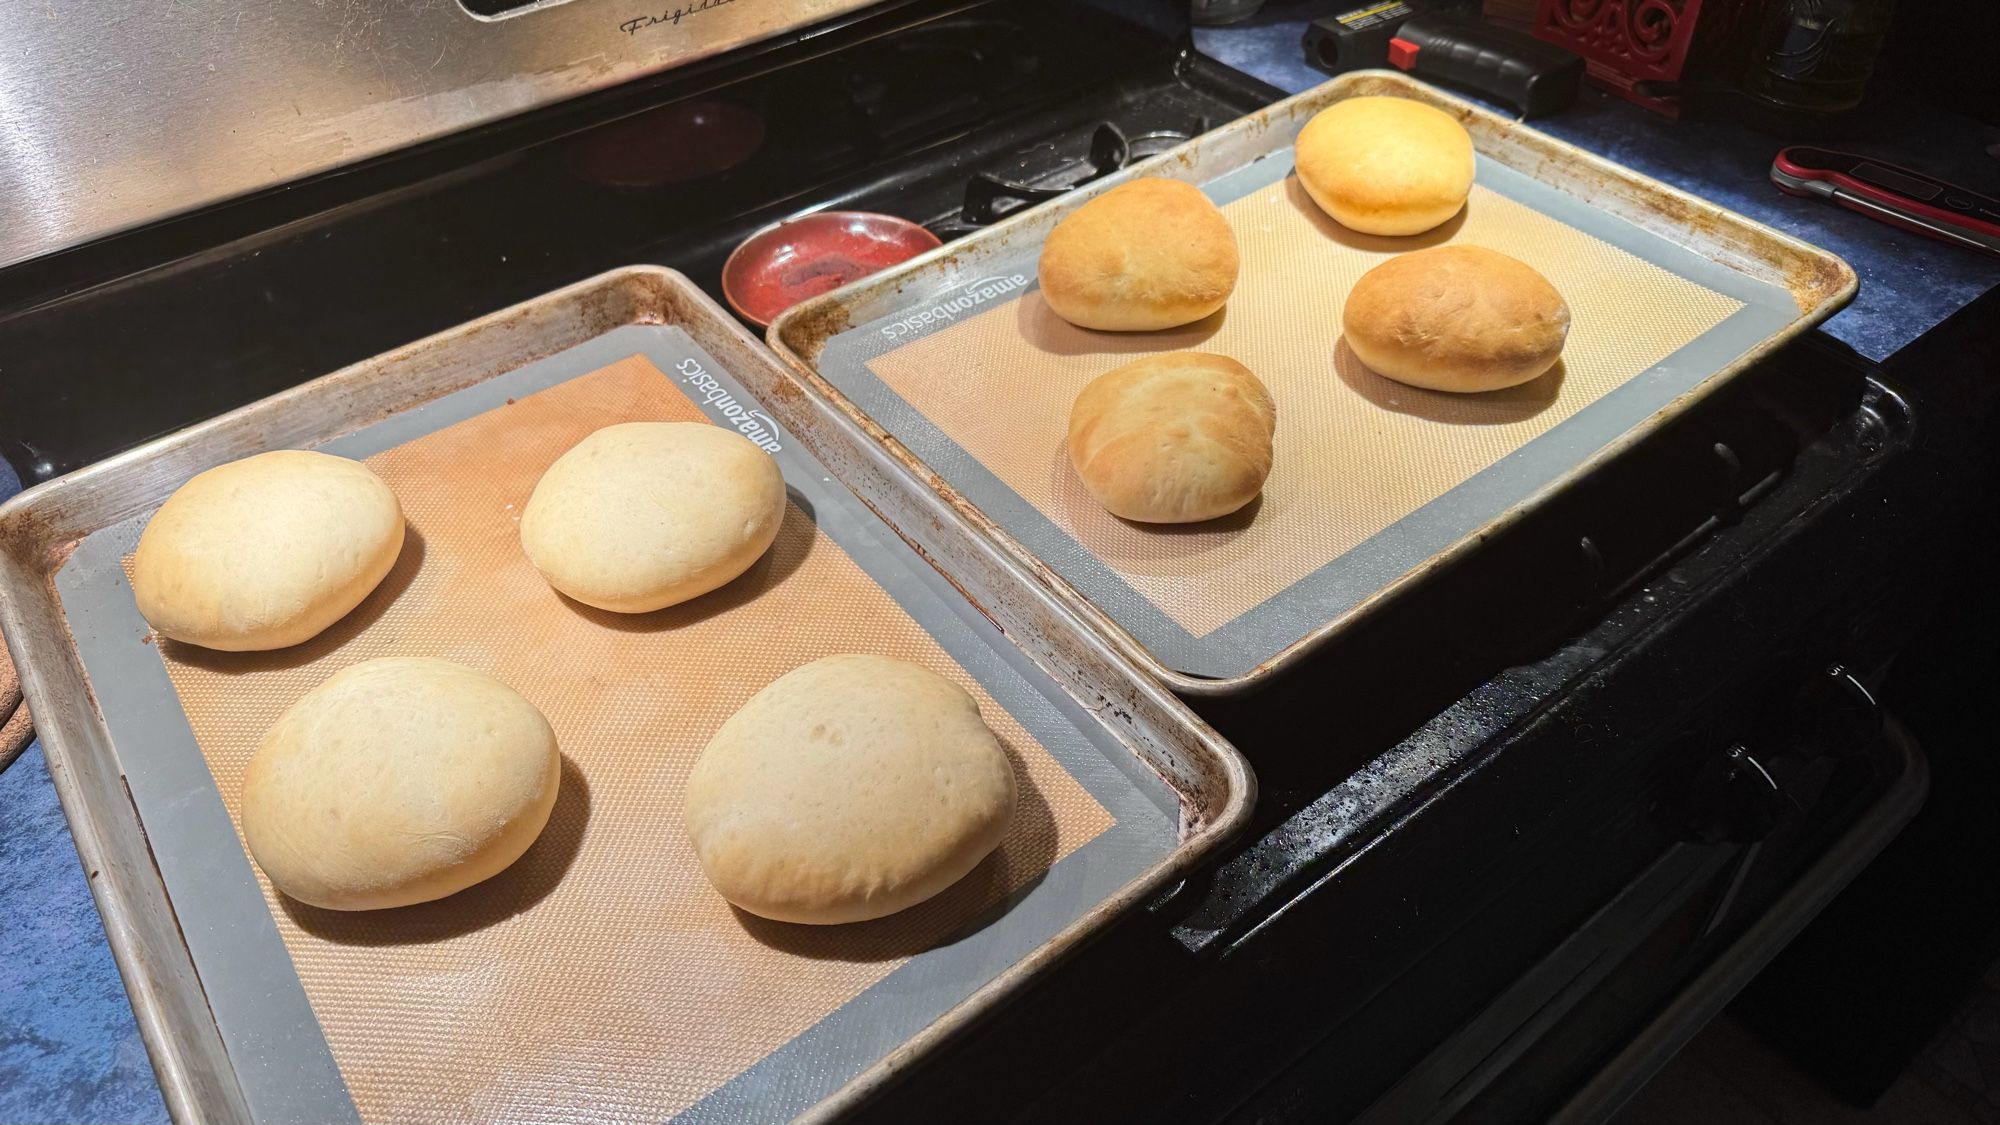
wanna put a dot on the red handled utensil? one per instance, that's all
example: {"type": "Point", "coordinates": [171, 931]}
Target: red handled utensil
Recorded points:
{"type": "Point", "coordinates": [1898, 196]}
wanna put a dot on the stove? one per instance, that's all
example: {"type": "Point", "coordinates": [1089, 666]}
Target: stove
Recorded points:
{"type": "Point", "coordinates": [1507, 825]}
{"type": "Point", "coordinates": [953, 117]}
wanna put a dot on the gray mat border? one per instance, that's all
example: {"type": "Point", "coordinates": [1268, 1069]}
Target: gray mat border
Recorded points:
{"type": "Point", "coordinates": [274, 1041]}
{"type": "Point", "coordinates": [1265, 630]}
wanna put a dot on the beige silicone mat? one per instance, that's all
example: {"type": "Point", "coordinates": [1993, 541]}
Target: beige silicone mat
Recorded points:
{"type": "Point", "coordinates": [1355, 452]}
{"type": "Point", "coordinates": [600, 978]}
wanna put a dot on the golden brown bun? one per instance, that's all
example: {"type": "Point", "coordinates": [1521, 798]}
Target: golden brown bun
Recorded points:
{"type": "Point", "coordinates": [1456, 318]}
{"type": "Point", "coordinates": [1385, 165]}
{"type": "Point", "coordinates": [1146, 255]}
{"type": "Point", "coordinates": [1174, 438]}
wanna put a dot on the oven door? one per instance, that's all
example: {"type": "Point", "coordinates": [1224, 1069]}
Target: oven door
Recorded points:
{"type": "Point", "coordinates": [1595, 1019]}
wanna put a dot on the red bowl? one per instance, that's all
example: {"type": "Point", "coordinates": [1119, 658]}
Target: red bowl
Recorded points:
{"type": "Point", "coordinates": [788, 262]}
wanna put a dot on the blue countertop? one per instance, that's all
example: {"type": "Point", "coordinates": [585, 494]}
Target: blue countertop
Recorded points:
{"type": "Point", "coordinates": [69, 1050]}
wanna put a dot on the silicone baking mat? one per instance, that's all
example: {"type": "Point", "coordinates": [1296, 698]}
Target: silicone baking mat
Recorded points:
{"type": "Point", "coordinates": [600, 978]}
{"type": "Point", "coordinates": [1371, 477]}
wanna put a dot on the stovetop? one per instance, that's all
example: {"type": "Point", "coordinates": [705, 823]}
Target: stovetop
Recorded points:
{"type": "Point", "coordinates": [956, 123]}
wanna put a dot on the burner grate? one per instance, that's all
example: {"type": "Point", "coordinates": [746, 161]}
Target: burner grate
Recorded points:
{"type": "Point", "coordinates": [991, 196]}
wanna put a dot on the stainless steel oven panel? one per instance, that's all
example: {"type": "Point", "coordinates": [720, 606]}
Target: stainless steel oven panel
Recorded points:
{"type": "Point", "coordinates": [113, 114]}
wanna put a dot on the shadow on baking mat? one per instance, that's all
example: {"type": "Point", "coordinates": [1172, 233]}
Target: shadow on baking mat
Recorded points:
{"type": "Point", "coordinates": [523, 884]}
{"type": "Point", "coordinates": [1099, 529]}
{"type": "Point", "coordinates": [1295, 194]}
{"type": "Point", "coordinates": [1044, 330]}
{"type": "Point", "coordinates": [1487, 408]}
{"type": "Point", "coordinates": [330, 639]}
{"type": "Point", "coordinates": [787, 554]}
{"type": "Point", "coordinates": [1022, 861]}
{"type": "Point", "coordinates": [1221, 526]}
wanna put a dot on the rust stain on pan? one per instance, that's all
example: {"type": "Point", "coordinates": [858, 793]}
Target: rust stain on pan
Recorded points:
{"type": "Point", "coordinates": [59, 555]}
{"type": "Point", "coordinates": [823, 320]}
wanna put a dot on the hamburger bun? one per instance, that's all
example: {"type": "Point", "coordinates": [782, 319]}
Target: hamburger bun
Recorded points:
{"type": "Point", "coordinates": [1456, 318]}
{"type": "Point", "coordinates": [1175, 438]}
{"type": "Point", "coordinates": [1385, 165]}
{"type": "Point", "coordinates": [1146, 255]}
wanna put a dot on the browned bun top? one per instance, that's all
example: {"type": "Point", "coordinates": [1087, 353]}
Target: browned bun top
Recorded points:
{"type": "Point", "coordinates": [1146, 255]}
{"type": "Point", "coordinates": [1387, 166]}
{"type": "Point", "coordinates": [1174, 438]}
{"type": "Point", "coordinates": [1456, 318]}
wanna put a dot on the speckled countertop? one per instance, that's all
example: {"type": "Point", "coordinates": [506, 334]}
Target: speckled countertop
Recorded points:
{"type": "Point", "coordinates": [69, 1050]}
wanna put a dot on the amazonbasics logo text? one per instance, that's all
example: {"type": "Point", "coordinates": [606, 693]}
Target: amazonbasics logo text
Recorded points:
{"type": "Point", "coordinates": [751, 423]}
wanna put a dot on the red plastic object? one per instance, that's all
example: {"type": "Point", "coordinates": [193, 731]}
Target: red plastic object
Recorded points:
{"type": "Point", "coordinates": [788, 262]}
{"type": "Point", "coordinates": [1402, 54]}
{"type": "Point", "coordinates": [1901, 197]}
{"type": "Point", "coordinates": [1625, 42]}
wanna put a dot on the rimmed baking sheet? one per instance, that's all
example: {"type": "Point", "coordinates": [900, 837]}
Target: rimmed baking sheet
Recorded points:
{"type": "Point", "coordinates": [956, 358]}
{"type": "Point", "coordinates": [599, 979]}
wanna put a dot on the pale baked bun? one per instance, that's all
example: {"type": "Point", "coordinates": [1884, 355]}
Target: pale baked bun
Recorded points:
{"type": "Point", "coordinates": [1145, 255]}
{"type": "Point", "coordinates": [398, 781]}
{"type": "Point", "coordinates": [849, 788]}
{"type": "Point", "coordinates": [266, 552]}
{"type": "Point", "coordinates": [644, 515]}
{"type": "Point", "coordinates": [1385, 165]}
{"type": "Point", "coordinates": [1173, 438]}
{"type": "Point", "coordinates": [1456, 318]}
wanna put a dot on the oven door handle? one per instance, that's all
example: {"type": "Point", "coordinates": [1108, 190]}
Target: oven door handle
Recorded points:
{"type": "Point", "coordinates": [1716, 986]}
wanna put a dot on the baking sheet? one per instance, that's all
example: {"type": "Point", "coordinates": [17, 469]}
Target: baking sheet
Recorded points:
{"type": "Point", "coordinates": [598, 979]}
{"type": "Point", "coordinates": [1371, 477]}
{"type": "Point", "coordinates": [948, 362]}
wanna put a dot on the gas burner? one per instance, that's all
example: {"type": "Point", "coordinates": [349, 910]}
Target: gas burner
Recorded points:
{"type": "Point", "coordinates": [990, 197]}
{"type": "Point", "coordinates": [1148, 145]}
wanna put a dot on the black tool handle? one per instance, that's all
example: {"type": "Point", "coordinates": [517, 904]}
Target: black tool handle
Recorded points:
{"type": "Point", "coordinates": [1507, 66]}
